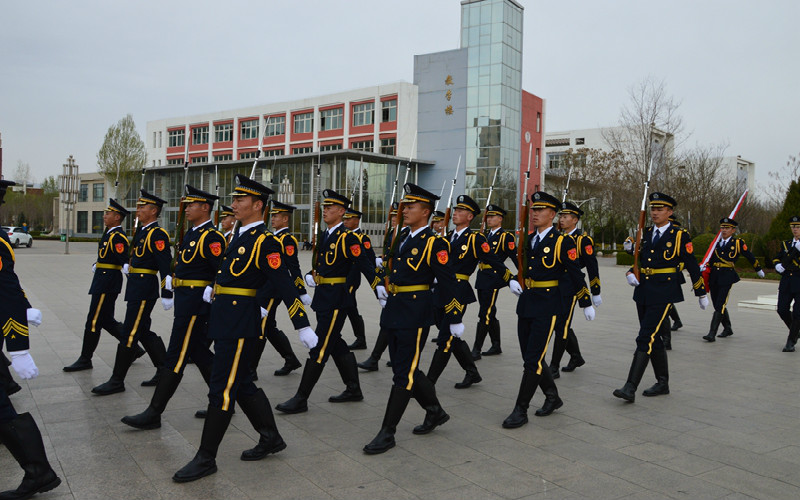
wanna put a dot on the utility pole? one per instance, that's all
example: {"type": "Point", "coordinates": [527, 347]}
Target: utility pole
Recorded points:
{"type": "Point", "coordinates": [69, 185]}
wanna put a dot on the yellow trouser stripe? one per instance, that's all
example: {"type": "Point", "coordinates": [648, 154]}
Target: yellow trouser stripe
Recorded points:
{"type": "Point", "coordinates": [414, 362]}
{"type": "Point", "coordinates": [136, 324]}
{"type": "Point", "coordinates": [327, 337]}
{"type": "Point", "coordinates": [569, 318]}
{"type": "Point", "coordinates": [726, 300]}
{"type": "Point", "coordinates": [491, 305]}
{"type": "Point", "coordinates": [97, 312]}
{"type": "Point", "coordinates": [226, 394]}
{"type": "Point", "coordinates": [448, 344]}
{"type": "Point", "coordinates": [264, 319]}
{"type": "Point", "coordinates": [658, 327]}
{"type": "Point", "coordinates": [547, 343]}
{"type": "Point", "coordinates": [185, 345]}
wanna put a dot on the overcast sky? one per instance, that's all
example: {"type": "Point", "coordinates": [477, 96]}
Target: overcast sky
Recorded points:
{"type": "Point", "coordinates": [69, 70]}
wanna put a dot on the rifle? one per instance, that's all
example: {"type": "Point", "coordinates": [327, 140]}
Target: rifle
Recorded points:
{"type": "Point", "coordinates": [448, 211]}
{"type": "Point", "coordinates": [388, 226]}
{"type": "Point", "coordinates": [489, 199]}
{"type": "Point", "coordinates": [116, 183]}
{"type": "Point", "coordinates": [566, 186]}
{"type": "Point", "coordinates": [637, 241]}
{"type": "Point", "coordinates": [396, 240]}
{"type": "Point", "coordinates": [218, 211]}
{"type": "Point", "coordinates": [180, 228]}
{"type": "Point", "coordinates": [136, 220]}
{"type": "Point", "coordinates": [357, 187]}
{"type": "Point", "coordinates": [316, 217]}
{"type": "Point", "coordinates": [436, 206]}
{"type": "Point", "coordinates": [235, 227]}
{"type": "Point", "coordinates": [522, 246]}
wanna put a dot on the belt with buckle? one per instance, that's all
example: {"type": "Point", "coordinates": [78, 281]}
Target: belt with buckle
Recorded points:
{"type": "Point", "coordinates": [108, 266]}
{"type": "Point", "coordinates": [647, 271]}
{"type": "Point", "coordinates": [141, 270]}
{"type": "Point", "coordinates": [392, 288]}
{"type": "Point", "coordinates": [723, 264]}
{"type": "Point", "coordinates": [464, 277]}
{"type": "Point", "coordinates": [319, 280]}
{"type": "Point", "coordinates": [529, 283]}
{"type": "Point", "coordinates": [179, 282]}
{"type": "Point", "coordinates": [227, 290]}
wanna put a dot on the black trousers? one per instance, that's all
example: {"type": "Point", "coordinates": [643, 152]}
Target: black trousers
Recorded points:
{"type": "Point", "coordinates": [329, 331]}
{"type": "Point", "coordinates": [405, 349]}
{"type": "Point", "coordinates": [786, 311]}
{"type": "Point", "coordinates": [534, 337]}
{"type": "Point", "coordinates": [487, 302]}
{"type": "Point", "coordinates": [189, 340]}
{"type": "Point", "coordinates": [651, 319]}
{"type": "Point", "coordinates": [230, 373]}
{"type": "Point", "coordinates": [719, 297]}
{"type": "Point", "coordinates": [137, 322]}
{"type": "Point", "coordinates": [7, 411]}
{"type": "Point", "coordinates": [101, 313]}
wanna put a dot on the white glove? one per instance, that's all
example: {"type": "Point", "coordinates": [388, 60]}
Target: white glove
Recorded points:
{"type": "Point", "coordinates": [761, 274]}
{"type": "Point", "coordinates": [207, 294]}
{"type": "Point", "coordinates": [264, 312]}
{"type": "Point", "coordinates": [125, 268]}
{"type": "Point", "coordinates": [632, 281]}
{"type": "Point", "coordinates": [381, 292]}
{"type": "Point", "coordinates": [310, 281]}
{"type": "Point", "coordinates": [94, 266]}
{"type": "Point", "coordinates": [597, 300]}
{"type": "Point", "coordinates": [627, 245]}
{"type": "Point", "coordinates": [167, 303]}
{"type": "Point", "coordinates": [515, 287]}
{"type": "Point", "coordinates": [378, 262]}
{"type": "Point", "coordinates": [34, 316]}
{"type": "Point", "coordinates": [703, 268]}
{"type": "Point", "coordinates": [307, 337]}
{"type": "Point", "coordinates": [588, 313]}
{"type": "Point", "coordinates": [382, 302]}
{"type": "Point", "coordinates": [779, 267]}
{"type": "Point", "coordinates": [168, 283]}
{"type": "Point", "coordinates": [703, 302]}
{"type": "Point", "coordinates": [457, 330]}
{"type": "Point", "coordinates": [305, 299]}
{"type": "Point", "coordinates": [22, 363]}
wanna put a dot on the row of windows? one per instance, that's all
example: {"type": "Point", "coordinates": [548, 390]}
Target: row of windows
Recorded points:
{"type": "Point", "coordinates": [83, 227]}
{"type": "Point", "coordinates": [98, 192]}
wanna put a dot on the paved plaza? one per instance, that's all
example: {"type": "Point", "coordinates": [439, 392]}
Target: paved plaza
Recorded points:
{"type": "Point", "coordinates": [727, 430]}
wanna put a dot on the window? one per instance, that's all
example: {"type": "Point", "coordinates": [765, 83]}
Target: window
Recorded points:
{"type": "Point", "coordinates": [579, 141]}
{"type": "Point", "coordinates": [299, 151]}
{"type": "Point", "coordinates": [330, 119]}
{"type": "Point", "coordinates": [176, 138]}
{"type": "Point", "coordinates": [537, 157]}
{"type": "Point", "coordinates": [388, 146]}
{"type": "Point", "coordinates": [276, 125]}
{"type": "Point", "coordinates": [389, 111]}
{"type": "Point", "coordinates": [225, 157]}
{"type": "Point", "coordinates": [223, 133]}
{"type": "Point", "coordinates": [249, 129]}
{"type": "Point", "coordinates": [304, 123]}
{"type": "Point", "coordinates": [273, 152]}
{"type": "Point", "coordinates": [175, 161]}
{"type": "Point", "coordinates": [557, 142]}
{"type": "Point", "coordinates": [154, 139]}
{"type": "Point", "coordinates": [97, 191]}
{"type": "Point", "coordinates": [362, 114]}
{"type": "Point", "coordinates": [82, 222]}
{"type": "Point", "coordinates": [97, 222]}
{"type": "Point", "coordinates": [84, 193]}
{"type": "Point", "coordinates": [200, 135]}
{"type": "Point", "coordinates": [363, 145]}
{"type": "Point", "coordinates": [199, 159]}
{"type": "Point", "coordinates": [247, 156]}
{"type": "Point", "coordinates": [538, 122]}
{"type": "Point", "coordinates": [159, 138]}
{"type": "Point", "coordinates": [331, 147]}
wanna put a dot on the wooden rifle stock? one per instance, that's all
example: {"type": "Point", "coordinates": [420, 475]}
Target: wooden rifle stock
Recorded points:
{"type": "Point", "coordinates": [638, 244]}
{"type": "Point", "coordinates": [314, 251]}
{"type": "Point", "coordinates": [522, 246]}
{"type": "Point", "coordinates": [395, 243]}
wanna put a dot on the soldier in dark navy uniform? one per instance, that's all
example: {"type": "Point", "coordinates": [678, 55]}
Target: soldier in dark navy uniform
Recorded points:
{"type": "Point", "coordinates": [674, 317]}
{"type": "Point", "coordinates": [489, 282]}
{"type": "Point", "coordinates": [787, 264]}
{"type": "Point", "coordinates": [112, 255]}
{"type": "Point", "coordinates": [199, 255]}
{"type": "Point", "coordinates": [252, 260]}
{"type": "Point", "coordinates": [226, 221]}
{"type": "Point", "coordinates": [421, 257]}
{"type": "Point", "coordinates": [549, 256]}
{"type": "Point", "coordinates": [352, 221]}
{"type": "Point", "coordinates": [19, 432]}
{"type": "Point", "coordinates": [338, 251]}
{"type": "Point", "coordinates": [723, 275]}
{"type": "Point", "coordinates": [569, 215]}
{"type": "Point", "coordinates": [150, 256]}
{"type": "Point", "coordinates": [664, 248]}
{"type": "Point", "coordinates": [467, 249]}
{"type": "Point", "coordinates": [268, 298]}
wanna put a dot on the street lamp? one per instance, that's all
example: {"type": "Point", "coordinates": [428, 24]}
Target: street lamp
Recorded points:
{"type": "Point", "coordinates": [68, 187]}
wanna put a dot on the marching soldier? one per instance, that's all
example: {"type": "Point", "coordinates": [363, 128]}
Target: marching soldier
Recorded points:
{"type": "Point", "coordinates": [549, 256]}
{"type": "Point", "coordinates": [226, 221]}
{"type": "Point", "coordinates": [199, 256]}
{"type": "Point", "coordinates": [568, 219]}
{"type": "Point", "coordinates": [352, 221]}
{"type": "Point", "coordinates": [488, 283]}
{"type": "Point", "coordinates": [150, 256]}
{"type": "Point", "coordinates": [664, 247]}
{"type": "Point", "coordinates": [338, 251]}
{"type": "Point", "coordinates": [722, 275]}
{"type": "Point", "coordinates": [408, 314]}
{"type": "Point", "coordinates": [19, 432]}
{"type": "Point", "coordinates": [787, 264]}
{"type": "Point", "coordinates": [674, 317]}
{"type": "Point", "coordinates": [112, 257]}
{"type": "Point", "coordinates": [467, 249]}
{"type": "Point", "coordinates": [279, 219]}
{"type": "Point", "coordinates": [252, 260]}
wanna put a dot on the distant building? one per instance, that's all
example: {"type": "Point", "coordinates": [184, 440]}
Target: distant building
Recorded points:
{"type": "Point", "coordinates": [92, 201]}
{"type": "Point", "coordinates": [744, 171]}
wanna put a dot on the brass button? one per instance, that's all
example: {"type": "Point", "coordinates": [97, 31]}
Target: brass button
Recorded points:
{"type": "Point", "coordinates": [234, 302]}
{"type": "Point", "coordinates": [414, 296]}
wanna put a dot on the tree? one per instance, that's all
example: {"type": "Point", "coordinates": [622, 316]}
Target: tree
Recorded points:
{"type": "Point", "coordinates": [779, 229]}
{"type": "Point", "coordinates": [122, 155]}
{"type": "Point", "coordinates": [781, 179]}
{"type": "Point", "coordinates": [22, 175]}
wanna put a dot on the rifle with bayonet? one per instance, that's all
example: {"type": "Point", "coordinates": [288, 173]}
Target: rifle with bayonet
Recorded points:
{"type": "Point", "coordinates": [316, 217]}
{"type": "Point", "coordinates": [180, 227]}
{"type": "Point", "coordinates": [235, 227]}
{"type": "Point", "coordinates": [436, 206]}
{"type": "Point", "coordinates": [566, 186]}
{"type": "Point", "coordinates": [524, 210]}
{"type": "Point", "coordinates": [448, 211]}
{"type": "Point", "coordinates": [489, 200]}
{"type": "Point", "coordinates": [388, 228]}
{"type": "Point", "coordinates": [218, 211]}
{"type": "Point", "coordinates": [396, 239]}
{"type": "Point", "coordinates": [637, 242]}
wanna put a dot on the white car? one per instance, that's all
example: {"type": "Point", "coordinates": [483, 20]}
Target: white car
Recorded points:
{"type": "Point", "coordinates": [18, 237]}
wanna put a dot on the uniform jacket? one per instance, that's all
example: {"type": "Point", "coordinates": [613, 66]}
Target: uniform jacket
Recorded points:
{"type": "Point", "coordinates": [289, 248]}
{"type": "Point", "coordinates": [466, 252]}
{"type": "Point", "coordinates": [354, 280]}
{"type": "Point", "coordinates": [111, 250]}
{"type": "Point", "coordinates": [13, 303]}
{"type": "Point", "coordinates": [586, 260]}
{"type": "Point", "coordinates": [722, 260]}
{"type": "Point", "coordinates": [790, 258]}
{"type": "Point", "coordinates": [503, 245]}
{"type": "Point", "coordinates": [150, 250]}
{"type": "Point", "coordinates": [253, 259]}
{"type": "Point", "coordinates": [199, 257]}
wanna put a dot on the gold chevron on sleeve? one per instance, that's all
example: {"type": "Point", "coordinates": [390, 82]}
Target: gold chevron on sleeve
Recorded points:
{"type": "Point", "coordinates": [295, 308]}
{"type": "Point", "coordinates": [698, 283]}
{"type": "Point", "coordinates": [11, 327]}
{"type": "Point", "coordinates": [595, 282]}
{"type": "Point", "coordinates": [298, 282]}
{"type": "Point", "coordinates": [454, 304]}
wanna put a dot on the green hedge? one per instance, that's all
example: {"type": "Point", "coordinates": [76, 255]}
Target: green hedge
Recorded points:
{"type": "Point", "coordinates": [624, 258]}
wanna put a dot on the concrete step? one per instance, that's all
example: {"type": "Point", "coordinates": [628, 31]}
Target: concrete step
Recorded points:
{"type": "Point", "coordinates": [766, 302]}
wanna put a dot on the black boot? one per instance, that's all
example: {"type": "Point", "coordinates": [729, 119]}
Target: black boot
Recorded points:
{"type": "Point", "coordinates": [551, 401]}
{"type": "Point", "coordinates": [494, 335]}
{"type": "Point", "coordinates": [204, 462]}
{"type": "Point", "coordinates": [726, 325]}
{"type": "Point", "coordinates": [559, 345]}
{"type": "Point", "coordinates": [6, 380]}
{"type": "Point", "coordinates": [84, 362]}
{"type": "Point", "coordinates": [298, 403]}
{"type": "Point", "coordinates": [258, 411]}
{"type": "Point", "coordinates": [117, 331]}
{"type": "Point", "coordinates": [676, 319]}
{"type": "Point", "coordinates": [150, 418]}
{"type": "Point", "coordinates": [794, 330]}
{"type": "Point", "coordinates": [527, 387]}
{"type": "Point", "coordinates": [638, 366]}
{"type": "Point", "coordinates": [712, 330]}
{"type": "Point", "coordinates": [357, 322]}
{"type": "Point", "coordinates": [480, 336]}
{"type": "Point", "coordinates": [398, 400]}
{"type": "Point", "coordinates": [122, 363]}
{"type": "Point", "coordinates": [661, 369]}
{"type": "Point", "coordinates": [573, 349]}
{"type": "Point", "coordinates": [158, 354]}
{"type": "Point", "coordinates": [281, 343]}
{"type": "Point", "coordinates": [348, 370]}
{"type": "Point", "coordinates": [24, 441]}
{"type": "Point", "coordinates": [438, 364]}
{"type": "Point", "coordinates": [371, 363]}
{"type": "Point", "coordinates": [666, 333]}
{"type": "Point", "coordinates": [255, 357]}
{"type": "Point", "coordinates": [425, 393]}
{"type": "Point", "coordinates": [464, 357]}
